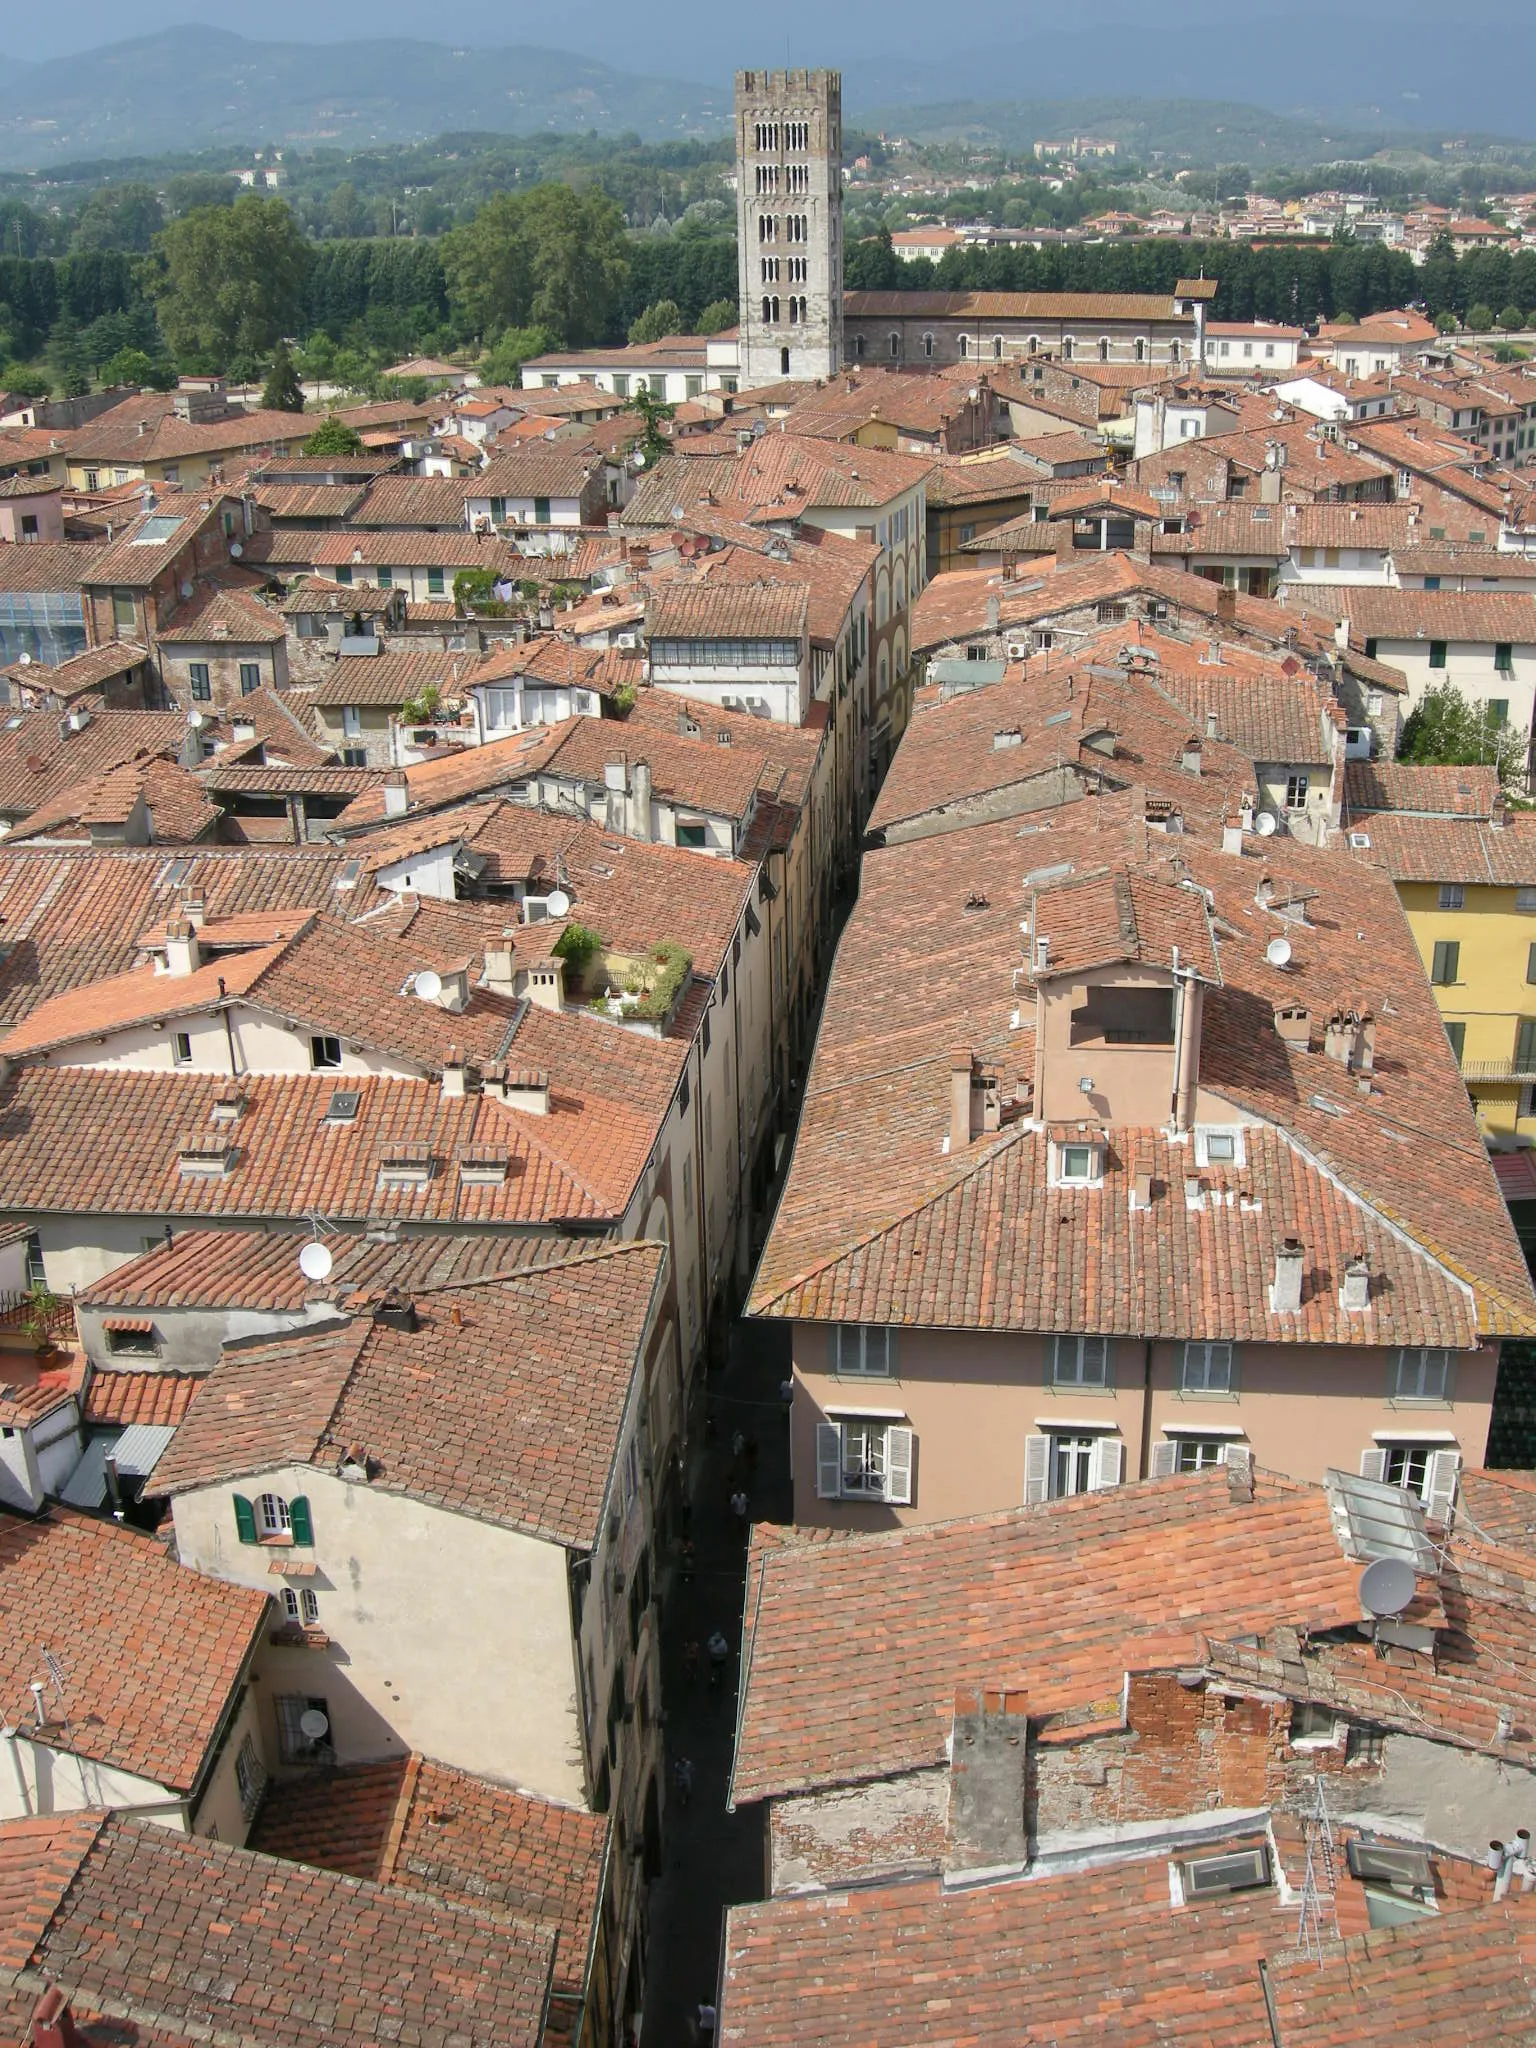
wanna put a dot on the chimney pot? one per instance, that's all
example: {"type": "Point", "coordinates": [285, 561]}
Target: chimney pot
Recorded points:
{"type": "Point", "coordinates": [53, 2024]}
{"type": "Point", "coordinates": [1356, 1291]}
{"type": "Point", "coordinates": [1290, 1262]}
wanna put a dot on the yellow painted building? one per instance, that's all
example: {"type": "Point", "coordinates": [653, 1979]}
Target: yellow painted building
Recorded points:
{"type": "Point", "coordinates": [1468, 885]}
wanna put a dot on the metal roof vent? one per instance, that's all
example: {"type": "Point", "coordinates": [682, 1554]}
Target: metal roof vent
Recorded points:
{"type": "Point", "coordinates": [343, 1106]}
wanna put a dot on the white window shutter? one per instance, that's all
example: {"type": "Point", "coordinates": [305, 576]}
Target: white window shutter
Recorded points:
{"type": "Point", "coordinates": [1165, 1459]}
{"type": "Point", "coordinates": [1051, 1351]}
{"type": "Point", "coordinates": [1108, 1463]}
{"type": "Point", "coordinates": [1440, 1492]}
{"type": "Point", "coordinates": [829, 1461]}
{"type": "Point", "coordinates": [898, 1466]}
{"type": "Point", "coordinates": [1037, 1469]}
{"type": "Point", "coordinates": [1373, 1464]}
{"type": "Point", "coordinates": [1240, 1458]}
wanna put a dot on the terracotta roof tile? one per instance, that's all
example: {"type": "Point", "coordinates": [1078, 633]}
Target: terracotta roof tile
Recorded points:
{"type": "Point", "coordinates": [505, 1402]}
{"type": "Point", "coordinates": [116, 1609]}
{"type": "Point", "coordinates": [124, 1398]}
{"type": "Point", "coordinates": [431, 1828]}
{"type": "Point", "coordinates": [1003, 1601]}
{"type": "Point", "coordinates": [215, 614]}
{"type": "Point", "coordinates": [151, 1925]}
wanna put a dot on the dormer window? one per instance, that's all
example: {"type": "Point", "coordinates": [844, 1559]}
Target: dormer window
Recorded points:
{"type": "Point", "coordinates": [1218, 1145]}
{"type": "Point", "coordinates": [1077, 1163]}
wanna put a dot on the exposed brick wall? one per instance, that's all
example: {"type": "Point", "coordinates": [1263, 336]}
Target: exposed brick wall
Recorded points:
{"type": "Point", "coordinates": [836, 1838]}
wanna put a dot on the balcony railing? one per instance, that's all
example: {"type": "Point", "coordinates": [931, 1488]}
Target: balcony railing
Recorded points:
{"type": "Point", "coordinates": [1513, 1071]}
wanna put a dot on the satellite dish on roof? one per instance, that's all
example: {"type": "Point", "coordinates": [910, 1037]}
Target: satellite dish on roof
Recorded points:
{"type": "Point", "coordinates": [1387, 1585]}
{"type": "Point", "coordinates": [315, 1262]}
{"type": "Point", "coordinates": [1264, 824]}
{"type": "Point", "coordinates": [1278, 952]}
{"type": "Point", "coordinates": [313, 1725]}
{"type": "Point", "coordinates": [429, 984]}
{"type": "Point", "coordinates": [196, 720]}
{"type": "Point", "coordinates": [186, 589]}
{"type": "Point", "coordinates": [236, 549]}
{"type": "Point", "coordinates": [558, 902]}
{"type": "Point", "coordinates": [24, 659]}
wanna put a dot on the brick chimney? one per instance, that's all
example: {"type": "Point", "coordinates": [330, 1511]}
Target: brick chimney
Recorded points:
{"type": "Point", "coordinates": [1226, 605]}
{"type": "Point", "coordinates": [988, 1760]}
{"type": "Point", "coordinates": [961, 1066]}
{"type": "Point", "coordinates": [182, 953]}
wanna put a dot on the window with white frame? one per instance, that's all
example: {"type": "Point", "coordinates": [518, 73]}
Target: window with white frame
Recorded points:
{"type": "Point", "coordinates": [1080, 1362]}
{"type": "Point", "coordinates": [1060, 1462]}
{"type": "Point", "coordinates": [1421, 1374]}
{"type": "Point", "coordinates": [272, 1517]}
{"type": "Point", "coordinates": [1296, 792]}
{"type": "Point", "coordinates": [863, 1351]}
{"type": "Point", "coordinates": [1079, 1165]}
{"type": "Point", "coordinates": [300, 1607]}
{"type": "Point", "coordinates": [863, 1457]}
{"type": "Point", "coordinates": [1425, 1466]}
{"type": "Point", "coordinates": [1206, 1369]}
{"type": "Point", "coordinates": [1198, 1453]}
{"type": "Point", "coordinates": [1219, 1145]}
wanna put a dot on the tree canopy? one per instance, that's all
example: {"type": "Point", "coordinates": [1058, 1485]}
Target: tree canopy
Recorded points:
{"type": "Point", "coordinates": [334, 437]}
{"type": "Point", "coordinates": [232, 281]}
{"type": "Point", "coordinates": [552, 257]}
{"type": "Point", "coordinates": [1448, 729]}
{"type": "Point", "coordinates": [656, 322]}
{"type": "Point", "coordinates": [282, 391]}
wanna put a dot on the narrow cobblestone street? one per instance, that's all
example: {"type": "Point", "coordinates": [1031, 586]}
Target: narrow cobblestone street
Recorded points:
{"type": "Point", "coordinates": [712, 1859]}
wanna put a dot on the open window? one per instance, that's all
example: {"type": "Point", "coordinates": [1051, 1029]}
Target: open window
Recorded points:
{"type": "Point", "coordinates": [1216, 1877]}
{"type": "Point", "coordinates": [1108, 1015]}
{"type": "Point", "coordinates": [861, 1457]}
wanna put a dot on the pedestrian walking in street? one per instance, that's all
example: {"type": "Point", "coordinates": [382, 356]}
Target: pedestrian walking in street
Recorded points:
{"type": "Point", "coordinates": [685, 1557]}
{"type": "Point", "coordinates": [719, 1655]}
{"type": "Point", "coordinates": [682, 1778]}
{"type": "Point", "coordinates": [739, 1509]}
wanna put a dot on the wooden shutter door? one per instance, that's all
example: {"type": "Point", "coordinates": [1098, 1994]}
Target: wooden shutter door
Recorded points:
{"type": "Point", "coordinates": [1440, 1493]}
{"type": "Point", "coordinates": [1108, 1463]}
{"type": "Point", "coordinates": [1373, 1464]}
{"type": "Point", "coordinates": [1037, 1468]}
{"type": "Point", "coordinates": [829, 1461]}
{"type": "Point", "coordinates": [1165, 1459]}
{"type": "Point", "coordinates": [300, 1526]}
{"type": "Point", "coordinates": [898, 1466]}
{"type": "Point", "coordinates": [245, 1519]}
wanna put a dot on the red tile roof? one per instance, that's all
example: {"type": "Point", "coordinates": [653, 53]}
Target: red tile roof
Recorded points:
{"type": "Point", "coordinates": [151, 1652]}
{"type": "Point", "coordinates": [161, 1398]}
{"type": "Point", "coordinates": [878, 1223]}
{"type": "Point", "coordinates": [541, 1363]}
{"type": "Point", "coordinates": [431, 1828]}
{"type": "Point", "coordinates": [142, 997]}
{"type": "Point", "coordinates": [1004, 1602]}
{"type": "Point", "coordinates": [178, 1933]}
{"type": "Point", "coordinates": [225, 615]}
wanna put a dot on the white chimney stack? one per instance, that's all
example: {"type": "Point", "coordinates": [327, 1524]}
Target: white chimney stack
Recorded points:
{"type": "Point", "coordinates": [1285, 1295]}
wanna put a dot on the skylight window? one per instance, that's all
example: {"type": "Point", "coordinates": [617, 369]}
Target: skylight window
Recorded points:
{"type": "Point", "coordinates": [155, 531]}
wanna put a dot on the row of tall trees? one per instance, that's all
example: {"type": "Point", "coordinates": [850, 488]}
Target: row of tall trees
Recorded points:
{"type": "Point", "coordinates": [217, 287]}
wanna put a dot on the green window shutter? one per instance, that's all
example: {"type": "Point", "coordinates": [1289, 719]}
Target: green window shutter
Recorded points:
{"type": "Point", "coordinates": [1437, 654]}
{"type": "Point", "coordinates": [434, 582]}
{"type": "Point", "coordinates": [1447, 959]}
{"type": "Point", "coordinates": [1457, 1034]}
{"type": "Point", "coordinates": [1530, 964]}
{"type": "Point", "coordinates": [303, 1529]}
{"type": "Point", "coordinates": [1525, 1045]}
{"type": "Point", "coordinates": [541, 512]}
{"type": "Point", "coordinates": [245, 1519]}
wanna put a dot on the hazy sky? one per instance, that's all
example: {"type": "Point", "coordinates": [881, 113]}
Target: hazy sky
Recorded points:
{"type": "Point", "coordinates": [1415, 59]}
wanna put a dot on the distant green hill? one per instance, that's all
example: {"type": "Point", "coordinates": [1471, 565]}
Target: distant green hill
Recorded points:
{"type": "Point", "coordinates": [1197, 133]}
{"type": "Point", "coordinates": [192, 88]}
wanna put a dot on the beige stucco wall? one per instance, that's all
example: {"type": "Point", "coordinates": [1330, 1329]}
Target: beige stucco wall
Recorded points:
{"type": "Point", "coordinates": [263, 1045]}
{"type": "Point", "coordinates": [219, 1811]}
{"type": "Point", "coordinates": [1133, 1084]}
{"type": "Point", "coordinates": [447, 1635]}
{"type": "Point", "coordinates": [972, 1398]}
{"type": "Point", "coordinates": [36, 1778]}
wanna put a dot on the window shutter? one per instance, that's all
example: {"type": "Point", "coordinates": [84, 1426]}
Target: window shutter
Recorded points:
{"type": "Point", "coordinates": [1240, 1458]}
{"type": "Point", "coordinates": [1050, 1350]}
{"type": "Point", "coordinates": [833, 1334]}
{"type": "Point", "coordinates": [829, 1461]}
{"type": "Point", "coordinates": [299, 1524]}
{"type": "Point", "coordinates": [898, 1466]}
{"type": "Point", "coordinates": [892, 1355]}
{"type": "Point", "coordinates": [1108, 1463]}
{"type": "Point", "coordinates": [1109, 1364]}
{"type": "Point", "coordinates": [1373, 1464]}
{"type": "Point", "coordinates": [1037, 1469]}
{"type": "Point", "coordinates": [245, 1519]}
{"type": "Point", "coordinates": [1440, 1492]}
{"type": "Point", "coordinates": [1234, 1358]}
{"type": "Point", "coordinates": [1525, 1045]}
{"type": "Point", "coordinates": [1165, 1459]}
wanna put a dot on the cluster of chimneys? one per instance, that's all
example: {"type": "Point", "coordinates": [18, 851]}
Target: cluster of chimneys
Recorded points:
{"type": "Point", "coordinates": [1287, 1291]}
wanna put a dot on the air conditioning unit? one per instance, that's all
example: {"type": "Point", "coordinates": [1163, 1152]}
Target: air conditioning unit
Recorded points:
{"type": "Point", "coordinates": [1017, 650]}
{"type": "Point", "coordinates": [628, 641]}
